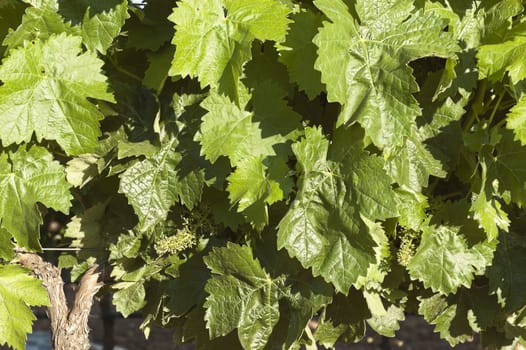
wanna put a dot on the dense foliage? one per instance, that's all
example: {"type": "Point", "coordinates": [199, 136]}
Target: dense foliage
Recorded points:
{"type": "Point", "coordinates": [246, 165]}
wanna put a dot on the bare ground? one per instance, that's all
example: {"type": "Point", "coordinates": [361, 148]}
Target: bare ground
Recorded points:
{"type": "Point", "coordinates": [414, 334]}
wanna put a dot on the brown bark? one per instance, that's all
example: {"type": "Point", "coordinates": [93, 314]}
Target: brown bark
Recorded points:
{"type": "Point", "coordinates": [69, 326]}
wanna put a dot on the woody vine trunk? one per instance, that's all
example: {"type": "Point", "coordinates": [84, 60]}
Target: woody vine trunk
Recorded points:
{"type": "Point", "coordinates": [69, 324]}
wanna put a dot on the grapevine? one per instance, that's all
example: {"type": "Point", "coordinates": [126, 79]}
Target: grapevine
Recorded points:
{"type": "Point", "coordinates": [235, 168]}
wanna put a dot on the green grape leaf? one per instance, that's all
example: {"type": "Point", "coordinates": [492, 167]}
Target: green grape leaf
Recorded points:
{"type": "Point", "coordinates": [221, 213]}
{"type": "Point", "coordinates": [157, 72]}
{"type": "Point", "coordinates": [18, 292]}
{"type": "Point", "coordinates": [436, 310]}
{"type": "Point", "coordinates": [494, 19]}
{"type": "Point", "coordinates": [344, 319]}
{"type": "Point", "coordinates": [438, 115]}
{"type": "Point", "coordinates": [7, 248]}
{"type": "Point", "coordinates": [150, 29]}
{"type": "Point", "coordinates": [27, 177]}
{"type": "Point", "coordinates": [365, 66]}
{"type": "Point", "coordinates": [188, 287]}
{"type": "Point", "coordinates": [487, 209]}
{"type": "Point", "coordinates": [82, 169]}
{"type": "Point", "coordinates": [254, 185]}
{"type": "Point", "coordinates": [45, 91]}
{"type": "Point", "coordinates": [277, 120]}
{"type": "Point", "coordinates": [328, 334]}
{"type": "Point", "coordinates": [443, 261]}
{"type": "Point", "coordinates": [373, 194]}
{"type": "Point", "coordinates": [412, 207]}
{"type": "Point", "coordinates": [323, 228]}
{"type": "Point", "coordinates": [39, 24]}
{"type": "Point", "coordinates": [129, 297]}
{"type": "Point", "coordinates": [305, 298]}
{"type": "Point", "coordinates": [383, 16]}
{"type": "Point", "coordinates": [214, 41]}
{"type": "Point", "coordinates": [376, 272]}
{"type": "Point", "coordinates": [389, 323]}
{"type": "Point", "coordinates": [247, 166]}
{"type": "Point", "coordinates": [97, 22]}
{"type": "Point", "coordinates": [87, 229]}
{"type": "Point", "coordinates": [516, 120]}
{"type": "Point", "coordinates": [506, 273]}
{"type": "Point", "coordinates": [195, 329]}
{"type": "Point", "coordinates": [51, 4]}
{"type": "Point", "coordinates": [258, 129]}
{"type": "Point", "coordinates": [265, 68]}
{"type": "Point", "coordinates": [127, 246]}
{"type": "Point", "coordinates": [11, 13]}
{"type": "Point", "coordinates": [241, 295]}
{"type": "Point", "coordinates": [298, 52]}
{"type": "Point", "coordinates": [494, 60]}
{"type": "Point", "coordinates": [136, 149]}
{"type": "Point", "coordinates": [300, 294]}
{"type": "Point", "coordinates": [412, 164]}
{"type": "Point", "coordinates": [507, 170]}
{"type": "Point", "coordinates": [489, 215]}
{"type": "Point", "coordinates": [484, 306]}
{"type": "Point", "coordinates": [229, 131]}
{"type": "Point", "coordinates": [457, 214]}
{"type": "Point", "coordinates": [154, 185]}
{"type": "Point", "coordinates": [100, 26]}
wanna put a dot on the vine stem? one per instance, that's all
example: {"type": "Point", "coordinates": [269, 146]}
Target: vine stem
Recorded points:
{"type": "Point", "coordinates": [126, 72]}
{"type": "Point", "coordinates": [497, 104]}
{"type": "Point", "coordinates": [477, 104]}
{"type": "Point", "coordinates": [451, 195]}
{"type": "Point", "coordinates": [499, 124]}
{"type": "Point", "coordinates": [431, 187]}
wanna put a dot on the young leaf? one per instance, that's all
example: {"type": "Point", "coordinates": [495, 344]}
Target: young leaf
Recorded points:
{"type": "Point", "coordinates": [18, 293]}
{"type": "Point", "coordinates": [240, 134]}
{"type": "Point", "coordinates": [45, 91]}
